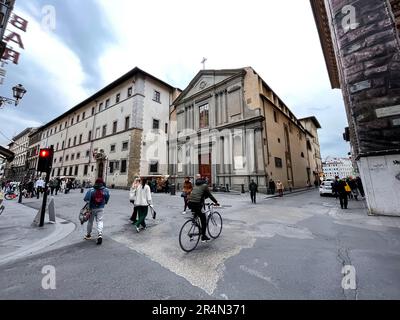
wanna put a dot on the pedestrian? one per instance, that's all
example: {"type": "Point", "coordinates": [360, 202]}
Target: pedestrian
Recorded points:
{"type": "Point", "coordinates": [142, 201]}
{"type": "Point", "coordinates": [52, 185]}
{"type": "Point", "coordinates": [57, 184]}
{"type": "Point", "coordinates": [280, 188]}
{"type": "Point", "coordinates": [132, 197]}
{"type": "Point", "coordinates": [253, 187]}
{"type": "Point", "coordinates": [63, 186]}
{"type": "Point", "coordinates": [97, 197]}
{"type": "Point", "coordinates": [316, 183]}
{"type": "Point", "coordinates": [272, 186]}
{"type": "Point", "coordinates": [187, 190]}
{"type": "Point", "coordinates": [167, 186]}
{"type": "Point", "coordinates": [353, 187]}
{"type": "Point", "coordinates": [347, 188]}
{"type": "Point", "coordinates": [360, 186]}
{"type": "Point", "coordinates": [339, 189]}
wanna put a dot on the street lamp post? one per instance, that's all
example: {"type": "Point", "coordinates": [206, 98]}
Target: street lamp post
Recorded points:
{"type": "Point", "coordinates": [18, 93]}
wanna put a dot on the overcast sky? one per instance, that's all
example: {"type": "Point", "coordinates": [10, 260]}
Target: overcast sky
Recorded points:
{"type": "Point", "coordinates": [97, 41]}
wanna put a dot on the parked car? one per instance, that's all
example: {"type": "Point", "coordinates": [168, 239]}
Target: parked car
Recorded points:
{"type": "Point", "coordinates": [326, 188]}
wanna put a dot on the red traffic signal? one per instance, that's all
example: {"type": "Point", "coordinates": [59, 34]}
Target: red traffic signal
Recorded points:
{"type": "Point", "coordinates": [44, 153]}
{"type": "Point", "coordinates": [45, 160]}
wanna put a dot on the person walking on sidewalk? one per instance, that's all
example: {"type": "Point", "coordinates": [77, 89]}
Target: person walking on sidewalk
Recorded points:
{"type": "Point", "coordinates": [132, 197]}
{"type": "Point", "coordinates": [97, 197]}
{"type": "Point", "coordinates": [360, 186]}
{"type": "Point", "coordinates": [279, 187]}
{"type": "Point", "coordinates": [272, 186]}
{"type": "Point", "coordinates": [187, 190]}
{"type": "Point", "coordinates": [142, 202]}
{"type": "Point", "coordinates": [339, 189]}
{"type": "Point", "coordinates": [253, 187]}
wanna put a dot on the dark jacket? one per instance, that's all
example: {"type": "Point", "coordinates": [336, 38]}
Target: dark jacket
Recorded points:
{"type": "Point", "coordinates": [272, 185]}
{"type": "Point", "coordinates": [201, 192]}
{"type": "Point", "coordinates": [339, 187]}
{"type": "Point", "coordinates": [90, 194]}
{"type": "Point", "coordinates": [253, 187]}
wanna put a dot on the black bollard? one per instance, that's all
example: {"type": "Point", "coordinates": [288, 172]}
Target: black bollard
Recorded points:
{"type": "Point", "coordinates": [227, 188]}
{"type": "Point", "coordinates": [243, 189]}
{"type": "Point", "coordinates": [81, 190]}
{"type": "Point", "coordinates": [20, 196]}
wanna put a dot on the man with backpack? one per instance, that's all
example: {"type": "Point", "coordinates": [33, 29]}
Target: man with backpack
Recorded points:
{"type": "Point", "coordinates": [97, 197]}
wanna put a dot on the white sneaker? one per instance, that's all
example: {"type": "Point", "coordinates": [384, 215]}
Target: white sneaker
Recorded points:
{"type": "Point", "coordinates": [184, 212]}
{"type": "Point", "coordinates": [137, 230]}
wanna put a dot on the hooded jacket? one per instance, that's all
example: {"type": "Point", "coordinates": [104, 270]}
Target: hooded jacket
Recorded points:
{"type": "Point", "coordinates": [201, 192]}
{"type": "Point", "coordinates": [90, 194]}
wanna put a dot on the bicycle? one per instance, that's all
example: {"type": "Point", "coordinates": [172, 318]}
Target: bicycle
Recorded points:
{"type": "Point", "coordinates": [190, 233]}
{"type": "Point", "coordinates": [10, 195]}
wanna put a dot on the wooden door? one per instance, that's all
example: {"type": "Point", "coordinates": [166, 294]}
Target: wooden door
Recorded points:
{"type": "Point", "coordinates": [205, 166]}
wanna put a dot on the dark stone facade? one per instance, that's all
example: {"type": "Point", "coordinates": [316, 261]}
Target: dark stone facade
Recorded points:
{"type": "Point", "coordinates": [369, 67]}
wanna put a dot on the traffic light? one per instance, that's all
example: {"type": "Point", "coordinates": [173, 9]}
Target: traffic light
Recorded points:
{"type": "Point", "coordinates": [45, 160]}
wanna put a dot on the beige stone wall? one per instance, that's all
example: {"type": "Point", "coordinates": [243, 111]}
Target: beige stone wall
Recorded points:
{"type": "Point", "coordinates": [134, 155]}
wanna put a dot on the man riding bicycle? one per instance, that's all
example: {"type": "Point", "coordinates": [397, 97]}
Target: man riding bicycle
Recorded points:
{"type": "Point", "coordinates": [200, 193]}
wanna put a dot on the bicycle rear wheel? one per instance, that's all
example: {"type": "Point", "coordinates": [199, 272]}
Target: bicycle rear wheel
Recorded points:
{"type": "Point", "coordinates": [9, 197]}
{"type": "Point", "coordinates": [189, 236]}
{"type": "Point", "coordinates": [214, 225]}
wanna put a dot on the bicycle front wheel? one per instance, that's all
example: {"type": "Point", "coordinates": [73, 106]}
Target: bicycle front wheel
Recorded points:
{"type": "Point", "coordinates": [9, 197]}
{"type": "Point", "coordinates": [214, 225]}
{"type": "Point", "coordinates": [189, 236]}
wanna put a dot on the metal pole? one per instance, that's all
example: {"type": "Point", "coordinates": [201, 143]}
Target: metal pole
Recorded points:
{"type": "Point", "coordinates": [44, 203]}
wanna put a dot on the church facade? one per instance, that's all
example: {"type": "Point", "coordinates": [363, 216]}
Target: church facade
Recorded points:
{"type": "Point", "coordinates": [231, 127]}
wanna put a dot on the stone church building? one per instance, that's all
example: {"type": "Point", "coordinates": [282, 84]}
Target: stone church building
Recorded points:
{"type": "Point", "coordinates": [231, 127]}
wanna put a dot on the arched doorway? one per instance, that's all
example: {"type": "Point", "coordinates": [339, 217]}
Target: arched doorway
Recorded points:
{"type": "Point", "coordinates": [100, 170]}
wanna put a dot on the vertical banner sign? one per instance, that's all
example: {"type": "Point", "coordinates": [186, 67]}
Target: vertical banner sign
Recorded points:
{"type": "Point", "coordinates": [13, 42]}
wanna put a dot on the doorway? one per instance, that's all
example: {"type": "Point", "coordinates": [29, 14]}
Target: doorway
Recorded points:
{"type": "Point", "coordinates": [205, 166]}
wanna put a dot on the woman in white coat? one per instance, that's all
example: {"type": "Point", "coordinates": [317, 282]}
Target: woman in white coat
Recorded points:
{"type": "Point", "coordinates": [132, 197]}
{"type": "Point", "coordinates": [142, 202]}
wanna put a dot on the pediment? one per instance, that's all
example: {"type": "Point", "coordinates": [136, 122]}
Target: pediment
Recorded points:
{"type": "Point", "coordinates": [206, 79]}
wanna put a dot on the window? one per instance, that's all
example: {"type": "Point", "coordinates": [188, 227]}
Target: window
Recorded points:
{"type": "Point", "coordinates": [60, 127]}
{"type": "Point", "coordinates": [78, 156]}
{"type": "Point", "coordinates": [52, 174]}
{"type": "Point", "coordinates": [83, 115]}
{"type": "Point", "coordinates": [76, 170]}
{"type": "Point", "coordinates": [97, 133]}
{"type": "Point", "coordinates": [204, 120]}
{"type": "Point", "coordinates": [77, 118]}
{"type": "Point", "coordinates": [58, 172]}
{"type": "Point", "coordinates": [57, 146]}
{"type": "Point", "coordinates": [72, 121]}
{"type": "Point", "coordinates": [123, 166]}
{"type": "Point", "coordinates": [60, 159]}
{"type": "Point", "coordinates": [124, 146]}
{"type": "Point", "coordinates": [104, 132]}
{"type": "Point", "coordinates": [112, 148]}
{"type": "Point", "coordinates": [107, 103]}
{"type": "Point", "coordinates": [73, 157]}
{"type": "Point", "coordinates": [90, 135]}
{"type": "Point", "coordinates": [70, 170]}
{"type": "Point", "coordinates": [93, 111]}
{"type": "Point", "coordinates": [118, 98]}
{"type": "Point", "coordinates": [153, 166]}
{"type": "Point", "coordinates": [309, 145]}
{"type": "Point", "coordinates": [275, 117]}
{"type": "Point", "coordinates": [65, 171]}
{"type": "Point", "coordinates": [80, 139]}
{"type": "Point", "coordinates": [279, 140]}
{"type": "Point", "coordinates": [55, 160]}
{"type": "Point", "coordinates": [92, 169]}
{"type": "Point", "coordinates": [69, 142]}
{"type": "Point", "coordinates": [127, 120]}
{"type": "Point", "coordinates": [101, 107]}
{"type": "Point", "coordinates": [115, 125]}
{"type": "Point", "coordinates": [156, 124]}
{"type": "Point", "coordinates": [67, 157]}
{"type": "Point", "coordinates": [62, 145]}
{"type": "Point", "coordinates": [166, 128]}
{"type": "Point", "coordinates": [75, 141]}
{"type": "Point", "coordinates": [156, 96]}
{"type": "Point", "coordinates": [85, 170]}
{"type": "Point", "coordinates": [302, 154]}
{"type": "Point", "coordinates": [51, 131]}
{"type": "Point", "coordinates": [87, 153]}
{"type": "Point", "coordinates": [66, 124]}
{"type": "Point", "coordinates": [278, 162]}
{"type": "Point", "coordinates": [130, 92]}
{"type": "Point", "coordinates": [111, 167]}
